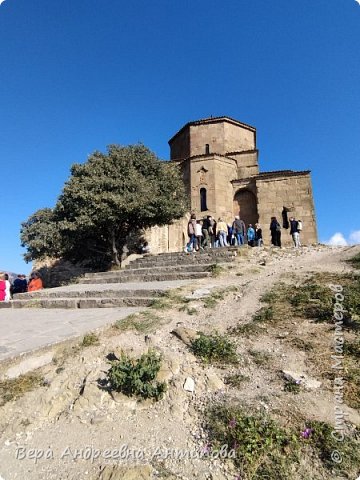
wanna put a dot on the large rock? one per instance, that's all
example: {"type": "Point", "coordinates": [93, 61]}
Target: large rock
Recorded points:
{"type": "Point", "coordinates": [114, 472]}
{"type": "Point", "coordinates": [307, 382]}
{"type": "Point", "coordinates": [187, 335]}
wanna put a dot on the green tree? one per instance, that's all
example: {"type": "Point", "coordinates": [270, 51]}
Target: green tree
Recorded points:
{"type": "Point", "coordinates": [41, 235]}
{"type": "Point", "coordinates": [110, 196]}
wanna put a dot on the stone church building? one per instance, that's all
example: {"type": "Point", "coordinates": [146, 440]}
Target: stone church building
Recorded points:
{"type": "Point", "coordinates": [219, 162]}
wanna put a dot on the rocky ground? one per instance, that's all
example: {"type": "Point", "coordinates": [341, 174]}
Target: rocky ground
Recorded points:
{"type": "Point", "coordinates": [70, 427]}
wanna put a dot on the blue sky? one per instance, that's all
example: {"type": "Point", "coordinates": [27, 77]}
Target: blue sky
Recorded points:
{"type": "Point", "coordinates": [77, 75]}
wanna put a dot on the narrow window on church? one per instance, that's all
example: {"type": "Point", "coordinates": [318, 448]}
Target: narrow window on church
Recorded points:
{"type": "Point", "coordinates": [207, 149]}
{"type": "Point", "coordinates": [203, 206]}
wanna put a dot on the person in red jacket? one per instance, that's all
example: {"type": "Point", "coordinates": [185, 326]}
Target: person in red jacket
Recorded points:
{"type": "Point", "coordinates": [35, 282]}
{"type": "Point", "coordinates": [2, 287]}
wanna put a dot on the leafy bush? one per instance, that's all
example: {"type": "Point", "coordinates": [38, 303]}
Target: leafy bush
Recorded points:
{"type": "Point", "coordinates": [137, 377]}
{"type": "Point", "coordinates": [215, 269]}
{"type": "Point", "coordinates": [324, 443]}
{"type": "Point", "coordinates": [214, 348]}
{"type": "Point", "coordinates": [265, 314]}
{"type": "Point", "coordinates": [263, 449]}
{"type": "Point", "coordinates": [90, 339]}
{"type": "Point", "coordinates": [292, 386]}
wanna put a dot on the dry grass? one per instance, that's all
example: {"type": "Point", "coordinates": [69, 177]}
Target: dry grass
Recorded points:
{"type": "Point", "coordinates": [13, 389]}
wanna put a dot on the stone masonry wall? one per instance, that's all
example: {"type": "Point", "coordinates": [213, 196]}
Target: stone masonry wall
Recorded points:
{"type": "Point", "coordinates": [215, 174]}
{"type": "Point", "coordinates": [238, 138]}
{"type": "Point", "coordinates": [293, 192]}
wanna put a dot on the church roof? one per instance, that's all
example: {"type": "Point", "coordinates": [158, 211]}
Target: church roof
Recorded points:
{"type": "Point", "coordinates": [205, 121]}
{"type": "Point", "coordinates": [274, 174]}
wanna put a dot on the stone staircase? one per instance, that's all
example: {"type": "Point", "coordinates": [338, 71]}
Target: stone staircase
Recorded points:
{"type": "Point", "coordinates": [138, 284]}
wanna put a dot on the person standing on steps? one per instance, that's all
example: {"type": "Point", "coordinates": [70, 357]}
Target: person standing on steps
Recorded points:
{"type": "Point", "coordinates": [198, 234]}
{"type": "Point", "coordinates": [223, 231]}
{"type": "Point", "coordinates": [191, 245]}
{"type": "Point", "coordinates": [205, 232]}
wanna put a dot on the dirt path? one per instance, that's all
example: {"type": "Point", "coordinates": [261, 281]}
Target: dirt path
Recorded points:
{"type": "Point", "coordinates": [70, 420]}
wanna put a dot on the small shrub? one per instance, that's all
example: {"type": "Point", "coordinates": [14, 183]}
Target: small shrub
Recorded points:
{"type": "Point", "coordinates": [246, 329]}
{"type": "Point", "coordinates": [301, 344]}
{"type": "Point", "coordinates": [260, 358]}
{"type": "Point", "coordinates": [212, 300]}
{"type": "Point", "coordinates": [291, 386]}
{"type": "Point", "coordinates": [214, 348]}
{"type": "Point", "coordinates": [269, 297]}
{"type": "Point", "coordinates": [235, 380]}
{"type": "Point", "coordinates": [137, 377]}
{"type": "Point", "coordinates": [323, 442]}
{"type": "Point", "coordinates": [215, 269]}
{"type": "Point", "coordinates": [89, 340]}
{"type": "Point", "coordinates": [263, 449]}
{"type": "Point", "coordinates": [265, 314]}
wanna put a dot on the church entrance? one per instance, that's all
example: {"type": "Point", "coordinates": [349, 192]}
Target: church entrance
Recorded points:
{"type": "Point", "coordinates": [245, 206]}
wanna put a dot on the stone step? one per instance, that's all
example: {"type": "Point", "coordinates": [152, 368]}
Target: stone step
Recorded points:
{"type": "Point", "coordinates": [204, 267]}
{"type": "Point", "coordinates": [206, 251]}
{"type": "Point", "coordinates": [100, 302]}
{"type": "Point", "coordinates": [187, 260]}
{"type": "Point", "coordinates": [53, 293]}
{"type": "Point", "coordinates": [144, 277]}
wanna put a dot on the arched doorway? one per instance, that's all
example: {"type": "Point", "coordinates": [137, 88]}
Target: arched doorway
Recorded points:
{"type": "Point", "coordinates": [245, 206]}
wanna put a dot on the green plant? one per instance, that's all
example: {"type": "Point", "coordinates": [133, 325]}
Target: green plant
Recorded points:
{"type": "Point", "coordinates": [214, 348]}
{"type": "Point", "coordinates": [215, 269]}
{"type": "Point", "coordinates": [188, 310]}
{"type": "Point", "coordinates": [325, 442]}
{"type": "Point", "coordinates": [89, 340]}
{"type": "Point", "coordinates": [246, 329]}
{"type": "Point", "coordinates": [144, 322]}
{"type": "Point", "coordinates": [265, 314]}
{"type": "Point", "coordinates": [137, 376]}
{"type": "Point", "coordinates": [235, 380]}
{"type": "Point", "coordinates": [213, 298]}
{"type": "Point", "coordinates": [260, 358]}
{"type": "Point", "coordinates": [263, 449]}
{"type": "Point", "coordinates": [292, 386]}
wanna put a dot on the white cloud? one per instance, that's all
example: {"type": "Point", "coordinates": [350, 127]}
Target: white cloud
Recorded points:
{"type": "Point", "coordinates": [338, 240]}
{"type": "Point", "coordinates": [354, 237]}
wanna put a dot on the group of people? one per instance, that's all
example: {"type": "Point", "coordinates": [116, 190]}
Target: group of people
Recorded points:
{"type": "Point", "coordinates": [19, 285]}
{"type": "Point", "coordinates": [209, 233]}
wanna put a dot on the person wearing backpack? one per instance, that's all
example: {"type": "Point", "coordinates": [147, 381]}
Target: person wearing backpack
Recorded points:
{"type": "Point", "coordinates": [295, 232]}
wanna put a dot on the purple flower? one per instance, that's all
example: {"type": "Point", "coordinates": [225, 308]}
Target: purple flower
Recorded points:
{"type": "Point", "coordinates": [298, 382]}
{"type": "Point", "coordinates": [232, 423]}
{"type": "Point", "coordinates": [206, 448]}
{"type": "Point", "coordinates": [307, 432]}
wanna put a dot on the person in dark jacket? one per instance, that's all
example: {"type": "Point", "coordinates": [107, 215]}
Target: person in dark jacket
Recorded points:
{"type": "Point", "coordinates": [294, 232]}
{"type": "Point", "coordinates": [239, 230]}
{"type": "Point", "coordinates": [258, 235]}
{"type": "Point", "coordinates": [275, 229]}
{"type": "Point", "coordinates": [19, 285]}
